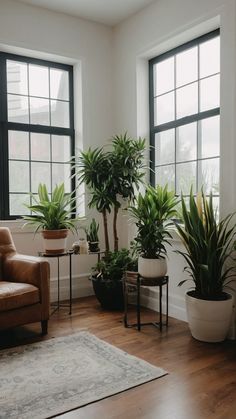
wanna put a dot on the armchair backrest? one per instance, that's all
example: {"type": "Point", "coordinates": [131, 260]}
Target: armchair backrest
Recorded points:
{"type": "Point", "coordinates": [7, 246]}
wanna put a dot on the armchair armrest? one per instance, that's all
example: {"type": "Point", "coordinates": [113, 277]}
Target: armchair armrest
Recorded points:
{"type": "Point", "coordinates": [28, 269]}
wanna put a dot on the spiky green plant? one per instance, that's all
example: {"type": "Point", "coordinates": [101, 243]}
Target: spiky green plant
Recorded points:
{"type": "Point", "coordinates": [208, 244]}
{"type": "Point", "coordinates": [153, 215]}
{"type": "Point", "coordinates": [92, 231]}
{"type": "Point", "coordinates": [52, 213]}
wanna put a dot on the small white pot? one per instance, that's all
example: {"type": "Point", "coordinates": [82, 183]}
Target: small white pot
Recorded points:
{"type": "Point", "coordinates": [152, 268]}
{"type": "Point", "coordinates": [209, 321]}
{"type": "Point", "coordinates": [55, 241]}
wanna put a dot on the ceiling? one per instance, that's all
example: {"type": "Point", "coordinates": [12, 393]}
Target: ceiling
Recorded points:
{"type": "Point", "coordinates": [108, 12]}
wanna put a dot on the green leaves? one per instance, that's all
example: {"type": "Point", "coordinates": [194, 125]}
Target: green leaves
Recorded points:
{"type": "Point", "coordinates": [151, 214]}
{"type": "Point", "coordinates": [208, 244]}
{"type": "Point", "coordinates": [92, 231]}
{"type": "Point", "coordinates": [52, 213]}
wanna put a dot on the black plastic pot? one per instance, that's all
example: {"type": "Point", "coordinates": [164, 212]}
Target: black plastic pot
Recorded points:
{"type": "Point", "coordinates": [93, 246]}
{"type": "Point", "coordinates": [109, 293]}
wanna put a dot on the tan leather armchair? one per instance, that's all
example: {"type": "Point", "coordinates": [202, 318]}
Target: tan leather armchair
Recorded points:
{"type": "Point", "coordinates": [24, 286]}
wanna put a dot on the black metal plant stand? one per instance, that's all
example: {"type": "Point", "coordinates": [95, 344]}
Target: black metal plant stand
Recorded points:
{"type": "Point", "coordinates": [133, 281]}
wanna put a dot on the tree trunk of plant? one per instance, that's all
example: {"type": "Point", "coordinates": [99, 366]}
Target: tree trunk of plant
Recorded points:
{"type": "Point", "coordinates": [104, 215]}
{"type": "Point", "coordinates": [116, 239]}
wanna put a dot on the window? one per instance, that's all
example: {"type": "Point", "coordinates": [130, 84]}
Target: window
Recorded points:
{"type": "Point", "coordinates": [185, 117]}
{"type": "Point", "coordinates": [36, 129]}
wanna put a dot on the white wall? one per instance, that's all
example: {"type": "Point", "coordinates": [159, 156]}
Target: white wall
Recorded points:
{"type": "Point", "coordinates": [88, 46]}
{"type": "Point", "coordinates": [161, 26]}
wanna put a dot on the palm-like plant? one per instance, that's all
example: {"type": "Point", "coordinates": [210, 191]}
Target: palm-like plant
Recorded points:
{"type": "Point", "coordinates": [152, 214]}
{"type": "Point", "coordinates": [111, 175]}
{"type": "Point", "coordinates": [208, 244]}
{"type": "Point", "coordinates": [52, 213]}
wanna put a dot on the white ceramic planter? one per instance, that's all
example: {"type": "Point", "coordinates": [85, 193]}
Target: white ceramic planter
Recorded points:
{"type": "Point", "coordinates": [152, 268]}
{"type": "Point", "coordinates": [209, 321]}
{"type": "Point", "coordinates": [55, 241]}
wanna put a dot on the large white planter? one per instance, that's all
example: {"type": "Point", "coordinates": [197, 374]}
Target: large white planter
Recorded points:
{"type": "Point", "coordinates": [209, 321]}
{"type": "Point", "coordinates": [55, 241]}
{"type": "Point", "coordinates": [152, 268]}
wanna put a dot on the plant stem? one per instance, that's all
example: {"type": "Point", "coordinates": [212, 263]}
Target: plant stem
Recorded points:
{"type": "Point", "coordinates": [104, 215]}
{"type": "Point", "coordinates": [116, 239]}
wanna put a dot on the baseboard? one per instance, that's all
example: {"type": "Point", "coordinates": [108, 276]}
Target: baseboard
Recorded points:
{"type": "Point", "coordinates": [81, 287]}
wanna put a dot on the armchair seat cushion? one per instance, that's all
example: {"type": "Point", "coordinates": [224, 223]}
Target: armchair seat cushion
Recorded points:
{"type": "Point", "coordinates": [15, 295]}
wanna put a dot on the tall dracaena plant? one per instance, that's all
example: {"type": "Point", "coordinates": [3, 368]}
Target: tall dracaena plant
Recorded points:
{"type": "Point", "coordinates": [111, 175]}
{"type": "Point", "coordinates": [208, 244]}
{"type": "Point", "coordinates": [94, 169]}
{"type": "Point", "coordinates": [127, 158]}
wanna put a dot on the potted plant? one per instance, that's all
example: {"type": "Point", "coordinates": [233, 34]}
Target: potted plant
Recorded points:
{"type": "Point", "coordinates": [208, 244]}
{"type": "Point", "coordinates": [152, 215]}
{"type": "Point", "coordinates": [92, 236]}
{"type": "Point", "coordinates": [111, 176]}
{"type": "Point", "coordinates": [52, 215]}
{"type": "Point", "coordinates": [107, 279]}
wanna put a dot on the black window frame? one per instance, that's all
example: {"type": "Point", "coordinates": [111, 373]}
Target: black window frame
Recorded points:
{"type": "Point", "coordinates": [155, 129]}
{"type": "Point", "coordinates": [6, 126]}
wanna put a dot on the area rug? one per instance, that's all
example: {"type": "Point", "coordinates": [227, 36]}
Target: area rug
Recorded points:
{"type": "Point", "coordinates": [42, 380]}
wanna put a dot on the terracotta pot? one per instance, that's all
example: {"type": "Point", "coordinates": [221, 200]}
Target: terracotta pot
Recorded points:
{"type": "Point", "coordinates": [55, 241]}
{"type": "Point", "coordinates": [209, 321]}
{"type": "Point", "coordinates": [152, 268]}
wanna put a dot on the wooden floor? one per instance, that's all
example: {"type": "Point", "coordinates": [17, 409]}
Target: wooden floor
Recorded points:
{"type": "Point", "coordinates": [201, 383]}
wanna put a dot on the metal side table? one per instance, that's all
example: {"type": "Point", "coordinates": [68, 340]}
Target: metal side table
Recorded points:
{"type": "Point", "coordinates": [58, 256]}
{"type": "Point", "coordinates": [132, 281]}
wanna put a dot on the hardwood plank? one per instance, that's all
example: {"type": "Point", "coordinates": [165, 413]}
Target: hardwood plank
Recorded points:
{"type": "Point", "coordinates": [202, 377]}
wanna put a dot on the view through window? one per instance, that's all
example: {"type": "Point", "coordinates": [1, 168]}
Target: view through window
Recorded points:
{"type": "Point", "coordinates": [185, 117]}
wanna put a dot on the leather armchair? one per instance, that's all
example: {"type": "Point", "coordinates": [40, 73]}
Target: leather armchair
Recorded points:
{"type": "Point", "coordinates": [24, 286]}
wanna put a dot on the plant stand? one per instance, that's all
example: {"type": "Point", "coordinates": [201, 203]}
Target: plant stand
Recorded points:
{"type": "Point", "coordinates": [133, 281]}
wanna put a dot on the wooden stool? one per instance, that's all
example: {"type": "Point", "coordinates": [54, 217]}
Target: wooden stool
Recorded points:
{"type": "Point", "coordinates": [133, 281]}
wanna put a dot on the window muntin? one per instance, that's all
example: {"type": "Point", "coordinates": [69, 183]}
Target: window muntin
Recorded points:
{"type": "Point", "coordinates": [184, 116]}
{"type": "Point", "coordinates": [37, 132]}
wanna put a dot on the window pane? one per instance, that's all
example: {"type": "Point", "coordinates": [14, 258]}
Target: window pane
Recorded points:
{"type": "Point", "coordinates": [18, 176]}
{"type": "Point", "coordinates": [17, 77]}
{"type": "Point", "coordinates": [18, 109]}
{"type": "Point", "coordinates": [186, 67]}
{"type": "Point", "coordinates": [210, 57]}
{"type": "Point", "coordinates": [40, 146]}
{"type": "Point", "coordinates": [209, 175]}
{"type": "Point", "coordinates": [40, 173]}
{"type": "Point", "coordinates": [187, 100]}
{"type": "Point", "coordinates": [61, 173]}
{"type": "Point", "coordinates": [186, 142]}
{"type": "Point", "coordinates": [17, 204]}
{"type": "Point", "coordinates": [210, 137]}
{"type": "Point", "coordinates": [38, 81]}
{"type": "Point", "coordinates": [166, 175]}
{"type": "Point", "coordinates": [18, 145]}
{"type": "Point", "coordinates": [186, 177]}
{"type": "Point", "coordinates": [60, 114]}
{"type": "Point", "coordinates": [39, 111]}
{"type": "Point", "coordinates": [164, 76]}
{"type": "Point", "coordinates": [165, 147]}
{"type": "Point", "coordinates": [164, 109]}
{"type": "Point", "coordinates": [210, 93]}
{"type": "Point", "coordinates": [60, 148]}
{"type": "Point", "coordinates": [59, 84]}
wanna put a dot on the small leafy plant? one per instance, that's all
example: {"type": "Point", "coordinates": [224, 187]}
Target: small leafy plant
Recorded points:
{"type": "Point", "coordinates": [112, 267]}
{"type": "Point", "coordinates": [208, 244]}
{"type": "Point", "coordinates": [52, 213]}
{"type": "Point", "coordinates": [152, 215]}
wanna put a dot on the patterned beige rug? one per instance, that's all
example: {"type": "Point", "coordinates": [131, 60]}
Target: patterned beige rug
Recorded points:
{"type": "Point", "coordinates": [45, 379]}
